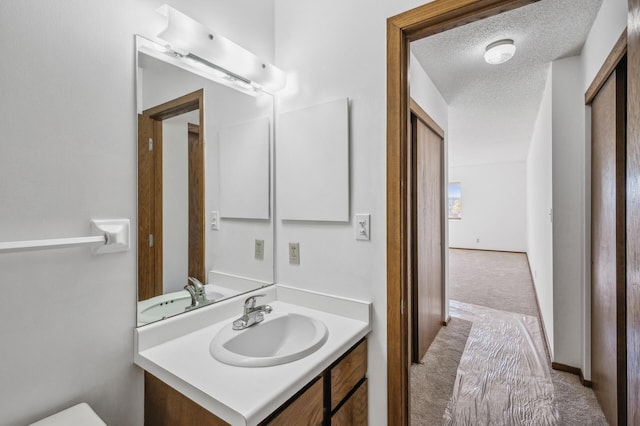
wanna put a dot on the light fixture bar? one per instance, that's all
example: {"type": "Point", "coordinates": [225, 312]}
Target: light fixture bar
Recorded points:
{"type": "Point", "coordinates": [190, 39]}
{"type": "Point", "coordinates": [195, 66]}
{"type": "Point", "coordinates": [215, 67]}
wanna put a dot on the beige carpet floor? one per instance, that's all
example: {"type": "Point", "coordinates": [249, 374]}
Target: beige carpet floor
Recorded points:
{"type": "Point", "coordinates": [501, 281]}
{"type": "Point", "coordinates": [432, 381]}
{"type": "Point", "coordinates": [498, 280]}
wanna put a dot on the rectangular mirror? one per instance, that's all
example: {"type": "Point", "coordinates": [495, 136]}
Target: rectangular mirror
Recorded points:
{"type": "Point", "coordinates": [204, 185]}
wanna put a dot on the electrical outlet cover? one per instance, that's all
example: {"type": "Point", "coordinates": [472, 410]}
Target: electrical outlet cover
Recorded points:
{"type": "Point", "coordinates": [259, 249]}
{"type": "Point", "coordinates": [294, 253]}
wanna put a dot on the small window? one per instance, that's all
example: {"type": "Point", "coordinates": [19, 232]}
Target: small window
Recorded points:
{"type": "Point", "coordinates": [455, 200]}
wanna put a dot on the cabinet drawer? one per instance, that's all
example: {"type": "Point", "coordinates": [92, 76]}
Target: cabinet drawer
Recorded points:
{"type": "Point", "coordinates": [307, 405]}
{"type": "Point", "coordinates": [347, 373]}
{"type": "Point", "coordinates": [354, 412]}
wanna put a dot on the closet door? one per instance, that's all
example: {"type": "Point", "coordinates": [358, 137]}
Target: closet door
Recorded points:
{"type": "Point", "coordinates": [427, 277]}
{"type": "Point", "coordinates": [608, 316]}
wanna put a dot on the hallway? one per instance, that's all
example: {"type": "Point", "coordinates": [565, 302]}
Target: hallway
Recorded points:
{"type": "Point", "coordinates": [490, 365]}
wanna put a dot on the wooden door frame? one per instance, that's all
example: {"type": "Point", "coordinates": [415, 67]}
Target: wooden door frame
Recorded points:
{"type": "Point", "coordinates": [421, 115]}
{"type": "Point", "coordinates": [196, 160]}
{"type": "Point", "coordinates": [423, 21]}
{"type": "Point", "coordinates": [429, 19]}
{"type": "Point", "coordinates": [633, 212]}
{"type": "Point", "coordinates": [152, 221]}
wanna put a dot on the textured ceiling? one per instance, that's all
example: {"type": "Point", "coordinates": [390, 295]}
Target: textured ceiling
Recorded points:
{"type": "Point", "coordinates": [492, 108]}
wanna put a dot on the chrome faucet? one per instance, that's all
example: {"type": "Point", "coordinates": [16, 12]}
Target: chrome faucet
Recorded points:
{"type": "Point", "coordinates": [252, 314]}
{"type": "Point", "coordinates": [197, 292]}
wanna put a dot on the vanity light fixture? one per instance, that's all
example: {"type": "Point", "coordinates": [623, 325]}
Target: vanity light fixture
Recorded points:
{"type": "Point", "coordinates": [189, 40]}
{"type": "Point", "coordinates": [499, 52]}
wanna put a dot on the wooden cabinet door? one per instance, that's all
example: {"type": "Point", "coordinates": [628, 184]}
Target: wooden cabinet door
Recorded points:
{"type": "Point", "coordinates": [346, 374]}
{"type": "Point", "coordinates": [165, 406]}
{"type": "Point", "coordinates": [354, 412]}
{"type": "Point", "coordinates": [306, 408]}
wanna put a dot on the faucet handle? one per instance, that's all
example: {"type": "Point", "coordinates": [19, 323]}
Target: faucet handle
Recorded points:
{"type": "Point", "coordinates": [250, 302]}
{"type": "Point", "coordinates": [196, 283]}
{"type": "Point", "coordinates": [240, 323]}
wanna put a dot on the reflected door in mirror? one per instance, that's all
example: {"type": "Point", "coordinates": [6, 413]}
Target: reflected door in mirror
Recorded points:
{"type": "Point", "coordinates": [151, 202]}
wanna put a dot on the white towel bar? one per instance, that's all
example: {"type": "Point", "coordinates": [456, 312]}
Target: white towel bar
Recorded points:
{"type": "Point", "coordinates": [113, 236]}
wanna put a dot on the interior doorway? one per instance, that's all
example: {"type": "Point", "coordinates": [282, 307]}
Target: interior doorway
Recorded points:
{"type": "Point", "coordinates": [426, 20]}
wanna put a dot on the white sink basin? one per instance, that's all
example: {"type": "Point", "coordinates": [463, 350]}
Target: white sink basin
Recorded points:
{"type": "Point", "coordinates": [280, 338]}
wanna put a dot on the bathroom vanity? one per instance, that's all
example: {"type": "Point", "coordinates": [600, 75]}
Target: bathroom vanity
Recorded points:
{"type": "Point", "coordinates": [298, 357]}
{"type": "Point", "coordinates": [338, 396]}
{"type": "Point", "coordinates": [186, 385]}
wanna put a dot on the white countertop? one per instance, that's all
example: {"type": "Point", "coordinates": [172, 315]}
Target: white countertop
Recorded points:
{"type": "Point", "coordinates": [176, 350]}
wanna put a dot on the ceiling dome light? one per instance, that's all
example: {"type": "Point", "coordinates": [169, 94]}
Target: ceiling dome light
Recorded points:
{"type": "Point", "coordinates": [499, 52]}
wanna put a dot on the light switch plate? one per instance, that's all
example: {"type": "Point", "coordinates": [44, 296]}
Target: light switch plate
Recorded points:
{"type": "Point", "coordinates": [294, 253]}
{"type": "Point", "coordinates": [363, 227]}
{"type": "Point", "coordinates": [215, 220]}
{"type": "Point", "coordinates": [259, 249]}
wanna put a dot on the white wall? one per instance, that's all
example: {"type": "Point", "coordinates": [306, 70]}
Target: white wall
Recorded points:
{"type": "Point", "coordinates": [426, 94]}
{"type": "Point", "coordinates": [606, 30]}
{"type": "Point", "coordinates": [68, 154]}
{"type": "Point", "coordinates": [568, 326]}
{"type": "Point", "coordinates": [494, 198]}
{"type": "Point", "coordinates": [568, 203]}
{"type": "Point", "coordinates": [333, 51]}
{"type": "Point", "coordinates": [175, 201]}
{"type": "Point", "coordinates": [539, 205]}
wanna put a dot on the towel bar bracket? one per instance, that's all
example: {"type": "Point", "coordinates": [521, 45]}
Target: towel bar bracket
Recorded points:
{"type": "Point", "coordinates": [116, 234]}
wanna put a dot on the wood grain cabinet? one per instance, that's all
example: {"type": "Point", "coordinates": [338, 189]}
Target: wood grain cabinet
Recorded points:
{"type": "Point", "coordinates": [306, 407]}
{"type": "Point", "coordinates": [355, 408]}
{"type": "Point", "coordinates": [338, 396]}
{"type": "Point", "coordinates": [347, 373]}
{"type": "Point", "coordinates": [165, 406]}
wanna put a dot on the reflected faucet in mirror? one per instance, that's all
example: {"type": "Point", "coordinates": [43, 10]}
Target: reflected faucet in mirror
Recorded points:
{"type": "Point", "coordinates": [198, 294]}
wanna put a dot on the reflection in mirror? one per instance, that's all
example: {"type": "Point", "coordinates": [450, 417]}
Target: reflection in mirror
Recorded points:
{"type": "Point", "coordinates": [204, 188]}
